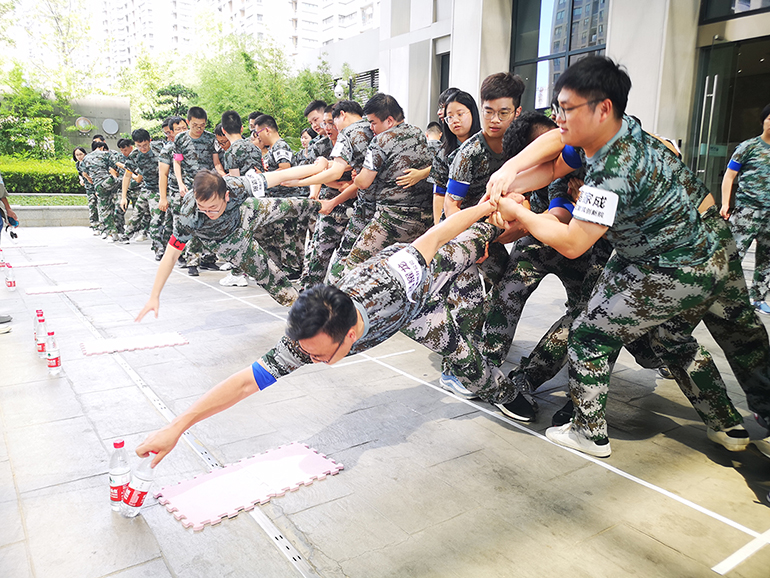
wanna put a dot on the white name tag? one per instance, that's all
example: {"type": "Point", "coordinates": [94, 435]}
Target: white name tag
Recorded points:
{"type": "Point", "coordinates": [257, 182]}
{"type": "Point", "coordinates": [409, 269]}
{"type": "Point", "coordinates": [369, 161]}
{"type": "Point", "coordinates": [596, 206]}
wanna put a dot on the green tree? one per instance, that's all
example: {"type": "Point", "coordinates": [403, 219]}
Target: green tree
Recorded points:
{"type": "Point", "coordinates": [171, 101]}
{"type": "Point", "coordinates": [6, 13]}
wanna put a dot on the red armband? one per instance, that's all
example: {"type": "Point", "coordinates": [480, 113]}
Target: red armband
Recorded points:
{"type": "Point", "coordinates": [178, 157]}
{"type": "Point", "coordinates": [176, 243]}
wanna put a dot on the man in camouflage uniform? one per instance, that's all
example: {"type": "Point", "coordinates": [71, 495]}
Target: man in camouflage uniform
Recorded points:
{"type": "Point", "coordinates": [100, 167]}
{"type": "Point", "coordinates": [667, 263]}
{"type": "Point", "coordinates": [225, 213]}
{"type": "Point", "coordinates": [133, 193]}
{"type": "Point", "coordinates": [400, 215]}
{"type": "Point", "coordinates": [93, 210]}
{"type": "Point", "coordinates": [750, 218]}
{"type": "Point", "coordinates": [169, 200]}
{"type": "Point", "coordinates": [195, 150]}
{"type": "Point", "coordinates": [400, 289]}
{"type": "Point", "coordinates": [340, 197]}
{"type": "Point", "coordinates": [143, 162]}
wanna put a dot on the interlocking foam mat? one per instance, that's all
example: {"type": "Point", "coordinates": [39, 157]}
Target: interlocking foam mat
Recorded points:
{"type": "Point", "coordinates": [63, 288]}
{"type": "Point", "coordinates": [116, 344]}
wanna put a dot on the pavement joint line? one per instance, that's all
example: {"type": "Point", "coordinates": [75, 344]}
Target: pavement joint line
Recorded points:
{"type": "Point", "coordinates": [357, 361]}
{"type": "Point", "coordinates": [742, 554]}
{"type": "Point", "coordinates": [284, 545]}
{"type": "Point", "coordinates": [606, 466]}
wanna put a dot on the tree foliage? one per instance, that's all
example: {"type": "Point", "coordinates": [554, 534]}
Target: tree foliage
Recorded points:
{"type": "Point", "coordinates": [171, 100]}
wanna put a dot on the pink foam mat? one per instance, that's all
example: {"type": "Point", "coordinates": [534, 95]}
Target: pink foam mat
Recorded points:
{"type": "Point", "coordinates": [238, 487]}
{"type": "Point", "coordinates": [63, 288]}
{"type": "Point", "coordinates": [131, 343]}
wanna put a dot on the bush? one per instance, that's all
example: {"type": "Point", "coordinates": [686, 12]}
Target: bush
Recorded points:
{"type": "Point", "coordinates": [35, 176]}
{"type": "Point", "coordinates": [47, 201]}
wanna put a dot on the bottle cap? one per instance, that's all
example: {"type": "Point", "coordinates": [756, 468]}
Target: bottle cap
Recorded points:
{"type": "Point", "coordinates": [118, 444]}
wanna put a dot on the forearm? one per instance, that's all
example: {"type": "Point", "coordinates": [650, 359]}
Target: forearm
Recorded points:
{"type": "Point", "coordinates": [349, 193]}
{"type": "Point", "coordinates": [451, 206]}
{"type": "Point", "coordinates": [218, 165]}
{"type": "Point", "coordinates": [178, 173]}
{"type": "Point", "coordinates": [274, 178]}
{"type": "Point", "coordinates": [222, 396]}
{"type": "Point", "coordinates": [165, 268]}
{"type": "Point", "coordinates": [437, 236]}
{"type": "Point", "coordinates": [438, 208]}
{"type": "Point", "coordinates": [727, 187]}
{"type": "Point", "coordinates": [163, 181]}
{"type": "Point", "coordinates": [333, 173]}
{"type": "Point", "coordinates": [126, 183]}
{"type": "Point", "coordinates": [544, 148]}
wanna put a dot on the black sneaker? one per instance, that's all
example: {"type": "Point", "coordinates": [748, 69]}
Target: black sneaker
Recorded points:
{"type": "Point", "coordinates": [192, 271]}
{"type": "Point", "coordinates": [519, 408]}
{"type": "Point", "coordinates": [209, 265]}
{"type": "Point", "coordinates": [564, 415]}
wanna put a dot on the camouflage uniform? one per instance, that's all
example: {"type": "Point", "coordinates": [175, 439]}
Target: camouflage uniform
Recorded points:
{"type": "Point", "coordinates": [351, 146]}
{"type": "Point", "coordinates": [473, 164]}
{"type": "Point", "coordinates": [387, 303]}
{"type": "Point", "coordinates": [93, 203]}
{"type": "Point", "coordinates": [232, 235]}
{"type": "Point", "coordinates": [97, 165]}
{"type": "Point", "coordinates": [751, 218]}
{"type": "Point", "coordinates": [162, 222]}
{"type": "Point", "coordinates": [279, 153]}
{"type": "Point", "coordinates": [400, 215]}
{"type": "Point", "coordinates": [146, 165]}
{"type": "Point", "coordinates": [244, 156]}
{"type": "Point", "coordinates": [197, 154]}
{"type": "Point", "coordinates": [667, 263]}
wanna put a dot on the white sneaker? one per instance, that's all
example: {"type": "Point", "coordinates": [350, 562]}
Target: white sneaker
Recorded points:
{"type": "Point", "coordinates": [110, 238]}
{"type": "Point", "coordinates": [763, 446]}
{"type": "Point", "coordinates": [733, 439]}
{"type": "Point", "coordinates": [234, 281]}
{"type": "Point", "coordinates": [569, 436]}
{"type": "Point", "coordinates": [104, 234]}
{"type": "Point", "coordinates": [225, 266]}
{"type": "Point", "coordinates": [139, 237]}
{"type": "Point", "coordinates": [451, 383]}
{"type": "Point", "coordinates": [5, 328]}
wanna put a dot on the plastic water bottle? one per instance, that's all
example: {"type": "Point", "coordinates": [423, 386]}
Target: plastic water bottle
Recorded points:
{"type": "Point", "coordinates": [138, 487]}
{"type": "Point", "coordinates": [41, 334]}
{"type": "Point", "coordinates": [52, 355]}
{"type": "Point", "coordinates": [10, 278]}
{"type": "Point", "coordinates": [120, 474]}
{"type": "Point", "coordinates": [2, 260]}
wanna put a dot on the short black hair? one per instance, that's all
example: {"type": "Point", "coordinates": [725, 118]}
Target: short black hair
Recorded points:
{"type": "Point", "coordinates": [231, 122]}
{"type": "Point", "coordinates": [98, 144]}
{"type": "Point", "coordinates": [502, 85]}
{"type": "Point", "coordinates": [433, 126]}
{"type": "Point", "coordinates": [218, 130]}
{"type": "Point", "coordinates": [78, 149]}
{"type": "Point", "coordinates": [172, 120]}
{"type": "Point", "coordinates": [196, 112]}
{"type": "Point", "coordinates": [98, 137]}
{"type": "Point", "coordinates": [765, 113]}
{"type": "Point", "coordinates": [444, 96]}
{"type": "Point", "coordinates": [165, 122]}
{"type": "Point", "coordinates": [321, 309]}
{"type": "Point", "coordinates": [315, 105]}
{"type": "Point", "coordinates": [268, 121]}
{"type": "Point", "coordinates": [597, 78]}
{"type": "Point", "coordinates": [328, 109]}
{"type": "Point", "coordinates": [309, 131]}
{"type": "Point", "coordinates": [522, 131]}
{"type": "Point", "coordinates": [125, 142]}
{"type": "Point", "coordinates": [349, 106]}
{"type": "Point", "coordinates": [255, 115]}
{"type": "Point", "coordinates": [140, 135]}
{"type": "Point", "coordinates": [208, 184]}
{"type": "Point", "coordinates": [382, 106]}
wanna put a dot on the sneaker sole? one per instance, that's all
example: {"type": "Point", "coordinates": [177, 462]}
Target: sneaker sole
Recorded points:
{"type": "Point", "coordinates": [569, 443]}
{"type": "Point", "coordinates": [763, 446]}
{"type": "Point", "coordinates": [459, 394]}
{"type": "Point", "coordinates": [730, 444]}
{"type": "Point", "coordinates": [512, 415]}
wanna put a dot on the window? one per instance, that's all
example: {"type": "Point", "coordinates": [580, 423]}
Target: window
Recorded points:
{"type": "Point", "coordinates": [259, 17]}
{"type": "Point", "coordinates": [549, 34]}
{"type": "Point", "coordinates": [328, 21]}
{"type": "Point", "coordinates": [716, 10]}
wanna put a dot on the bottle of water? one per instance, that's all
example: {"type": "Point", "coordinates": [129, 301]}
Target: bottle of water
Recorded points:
{"type": "Point", "coordinates": [2, 260]}
{"type": "Point", "coordinates": [41, 334]}
{"type": "Point", "coordinates": [38, 314]}
{"type": "Point", "coordinates": [120, 474]}
{"type": "Point", "coordinates": [10, 278]}
{"type": "Point", "coordinates": [52, 355]}
{"type": "Point", "coordinates": [141, 482]}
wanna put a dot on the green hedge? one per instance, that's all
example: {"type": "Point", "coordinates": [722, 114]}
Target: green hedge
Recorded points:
{"type": "Point", "coordinates": [35, 176]}
{"type": "Point", "coordinates": [47, 201]}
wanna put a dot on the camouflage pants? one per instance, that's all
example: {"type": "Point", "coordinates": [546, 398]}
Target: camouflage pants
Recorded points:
{"type": "Point", "coordinates": [389, 225]}
{"type": "Point", "coordinates": [747, 225]}
{"type": "Point", "coordinates": [105, 194]}
{"type": "Point", "coordinates": [140, 219]}
{"type": "Point", "coordinates": [328, 233]}
{"type": "Point", "coordinates": [630, 300]}
{"type": "Point", "coordinates": [436, 328]}
{"type": "Point", "coordinates": [363, 212]}
{"type": "Point", "coordinates": [284, 241]}
{"type": "Point", "coordinates": [93, 205]}
{"type": "Point", "coordinates": [243, 250]}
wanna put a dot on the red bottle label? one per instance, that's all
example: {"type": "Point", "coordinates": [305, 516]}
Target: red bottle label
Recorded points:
{"type": "Point", "coordinates": [54, 362]}
{"type": "Point", "coordinates": [41, 346]}
{"type": "Point", "coordinates": [133, 497]}
{"type": "Point", "coordinates": [10, 284]}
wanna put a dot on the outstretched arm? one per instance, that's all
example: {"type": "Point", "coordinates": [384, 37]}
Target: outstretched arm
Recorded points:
{"type": "Point", "coordinates": [165, 268]}
{"type": "Point", "coordinates": [335, 171]}
{"type": "Point", "coordinates": [727, 192]}
{"type": "Point", "coordinates": [274, 178]}
{"type": "Point", "coordinates": [439, 235]}
{"type": "Point", "coordinates": [222, 396]}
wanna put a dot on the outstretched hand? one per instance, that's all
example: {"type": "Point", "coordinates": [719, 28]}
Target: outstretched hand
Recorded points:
{"type": "Point", "coordinates": [161, 442]}
{"type": "Point", "coordinates": [153, 304]}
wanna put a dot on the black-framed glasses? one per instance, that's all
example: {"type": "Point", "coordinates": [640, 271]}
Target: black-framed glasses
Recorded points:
{"type": "Point", "coordinates": [318, 359]}
{"type": "Point", "coordinates": [557, 110]}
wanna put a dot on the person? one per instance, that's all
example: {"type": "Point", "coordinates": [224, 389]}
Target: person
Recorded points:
{"type": "Point", "coordinates": [433, 135]}
{"type": "Point", "coordinates": [749, 216]}
{"type": "Point", "coordinates": [78, 154]}
{"type": "Point", "coordinates": [141, 216]}
{"type": "Point", "coordinates": [401, 288]}
{"type": "Point", "coordinates": [668, 264]}
{"type": "Point", "coordinates": [305, 137]}
{"type": "Point", "coordinates": [223, 145]}
{"type": "Point", "coordinates": [168, 132]}
{"type": "Point", "coordinates": [253, 116]}
{"type": "Point", "coordinates": [9, 214]}
{"type": "Point", "coordinates": [169, 198]}
{"type": "Point", "coordinates": [99, 166]}
{"type": "Point", "coordinates": [195, 150]}
{"type": "Point", "coordinates": [143, 162]}
{"type": "Point", "coordinates": [225, 214]}
{"type": "Point", "coordinates": [400, 215]}
{"type": "Point", "coordinates": [461, 121]}
{"type": "Point", "coordinates": [442, 100]}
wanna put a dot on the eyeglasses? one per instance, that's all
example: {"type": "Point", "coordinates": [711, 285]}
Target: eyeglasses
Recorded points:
{"type": "Point", "coordinates": [459, 116]}
{"type": "Point", "coordinates": [211, 211]}
{"type": "Point", "coordinates": [318, 359]}
{"type": "Point", "coordinates": [503, 115]}
{"type": "Point", "coordinates": [561, 111]}
{"type": "Point", "coordinates": [258, 132]}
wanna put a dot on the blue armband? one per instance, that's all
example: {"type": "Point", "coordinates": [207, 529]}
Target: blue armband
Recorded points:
{"type": "Point", "coordinates": [457, 188]}
{"type": "Point", "coordinates": [571, 157]}
{"type": "Point", "coordinates": [735, 165]}
{"type": "Point", "coordinates": [262, 376]}
{"type": "Point", "coordinates": [437, 190]}
{"type": "Point", "coordinates": [562, 203]}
